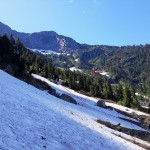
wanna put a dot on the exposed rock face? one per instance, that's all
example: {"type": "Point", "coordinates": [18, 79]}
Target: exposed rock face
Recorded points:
{"type": "Point", "coordinates": [46, 40]}
{"type": "Point", "coordinates": [68, 98]}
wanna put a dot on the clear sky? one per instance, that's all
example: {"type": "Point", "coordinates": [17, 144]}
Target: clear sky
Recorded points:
{"type": "Point", "coordinates": [111, 22]}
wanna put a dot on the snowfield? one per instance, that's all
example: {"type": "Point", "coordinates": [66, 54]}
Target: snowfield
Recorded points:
{"type": "Point", "coordinates": [104, 73]}
{"type": "Point", "coordinates": [125, 109]}
{"type": "Point", "coordinates": [32, 119]}
{"type": "Point", "coordinates": [75, 69]}
{"type": "Point", "coordinates": [90, 102]}
{"type": "Point", "coordinates": [47, 52]}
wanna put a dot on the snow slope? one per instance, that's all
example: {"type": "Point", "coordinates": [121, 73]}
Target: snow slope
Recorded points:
{"type": "Point", "coordinates": [89, 103]}
{"type": "Point", "coordinates": [125, 109]}
{"type": "Point", "coordinates": [32, 119]}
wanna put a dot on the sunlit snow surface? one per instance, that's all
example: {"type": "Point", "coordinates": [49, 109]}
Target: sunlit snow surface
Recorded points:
{"type": "Point", "coordinates": [104, 73]}
{"type": "Point", "coordinates": [75, 69]}
{"type": "Point", "coordinates": [28, 114]}
{"type": "Point", "coordinates": [92, 110]}
{"type": "Point", "coordinates": [47, 52]}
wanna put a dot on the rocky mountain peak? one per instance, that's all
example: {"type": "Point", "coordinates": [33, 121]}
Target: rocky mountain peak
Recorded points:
{"type": "Point", "coordinates": [44, 40]}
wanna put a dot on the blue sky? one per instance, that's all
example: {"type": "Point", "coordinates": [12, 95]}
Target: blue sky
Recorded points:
{"type": "Point", "coordinates": [109, 22]}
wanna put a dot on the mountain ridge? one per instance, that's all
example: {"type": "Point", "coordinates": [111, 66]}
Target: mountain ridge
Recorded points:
{"type": "Point", "coordinates": [45, 40]}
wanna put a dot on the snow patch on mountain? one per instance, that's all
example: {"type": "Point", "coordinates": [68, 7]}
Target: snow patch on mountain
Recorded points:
{"type": "Point", "coordinates": [75, 69]}
{"type": "Point", "coordinates": [77, 60]}
{"type": "Point", "coordinates": [47, 52]}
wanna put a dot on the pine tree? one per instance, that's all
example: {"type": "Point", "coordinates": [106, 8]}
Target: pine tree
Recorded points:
{"type": "Point", "coordinates": [127, 97]}
{"type": "Point", "coordinates": [118, 92]}
{"type": "Point", "coordinates": [107, 90]}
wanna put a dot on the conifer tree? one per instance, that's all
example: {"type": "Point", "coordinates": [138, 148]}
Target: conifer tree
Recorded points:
{"type": "Point", "coordinates": [127, 97]}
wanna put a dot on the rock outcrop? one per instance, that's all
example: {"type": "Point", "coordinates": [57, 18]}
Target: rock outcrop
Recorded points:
{"type": "Point", "coordinates": [101, 103]}
{"type": "Point", "coordinates": [68, 98]}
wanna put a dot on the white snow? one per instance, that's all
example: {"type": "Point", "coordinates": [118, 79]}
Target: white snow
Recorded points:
{"type": "Point", "coordinates": [137, 94]}
{"type": "Point", "coordinates": [125, 109]}
{"type": "Point", "coordinates": [77, 60]}
{"type": "Point", "coordinates": [75, 69]}
{"type": "Point", "coordinates": [89, 103]}
{"type": "Point", "coordinates": [28, 114]}
{"type": "Point", "coordinates": [145, 107]}
{"type": "Point", "coordinates": [47, 52]}
{"type": "Point", "coordinates": [104, 73]}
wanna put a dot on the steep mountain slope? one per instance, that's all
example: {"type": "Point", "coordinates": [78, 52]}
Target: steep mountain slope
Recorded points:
{"type": "Point", "coordinates": [33, 119]}
{"type": "Point", "coordinates": [46, 40]}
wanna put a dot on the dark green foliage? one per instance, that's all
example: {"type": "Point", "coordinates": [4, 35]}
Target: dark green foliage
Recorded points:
{"type": "Point", "coordinates": [127, 97]}
{"type": "Point", "coordinates": [10, 54]}
{"type": "Point", "coordinates": [107, 90]}
{"type": "Point", "coordinates": [130, 64]}
{"type": "Point", "coordinates": [118, 89]}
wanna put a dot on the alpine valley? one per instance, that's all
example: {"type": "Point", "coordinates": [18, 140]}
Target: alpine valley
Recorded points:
{"type": "Point", "coordinates": [129, 64]}
{"type": "Point", "coordinates": [57, 94]}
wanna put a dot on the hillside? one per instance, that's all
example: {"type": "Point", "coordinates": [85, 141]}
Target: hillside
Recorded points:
{"type": "Point", "coordinates": [21, 62]}
{"type": "Point", "coordinates": [33, 119]}
{"type": "Point", "coordinates": [129, 64]}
